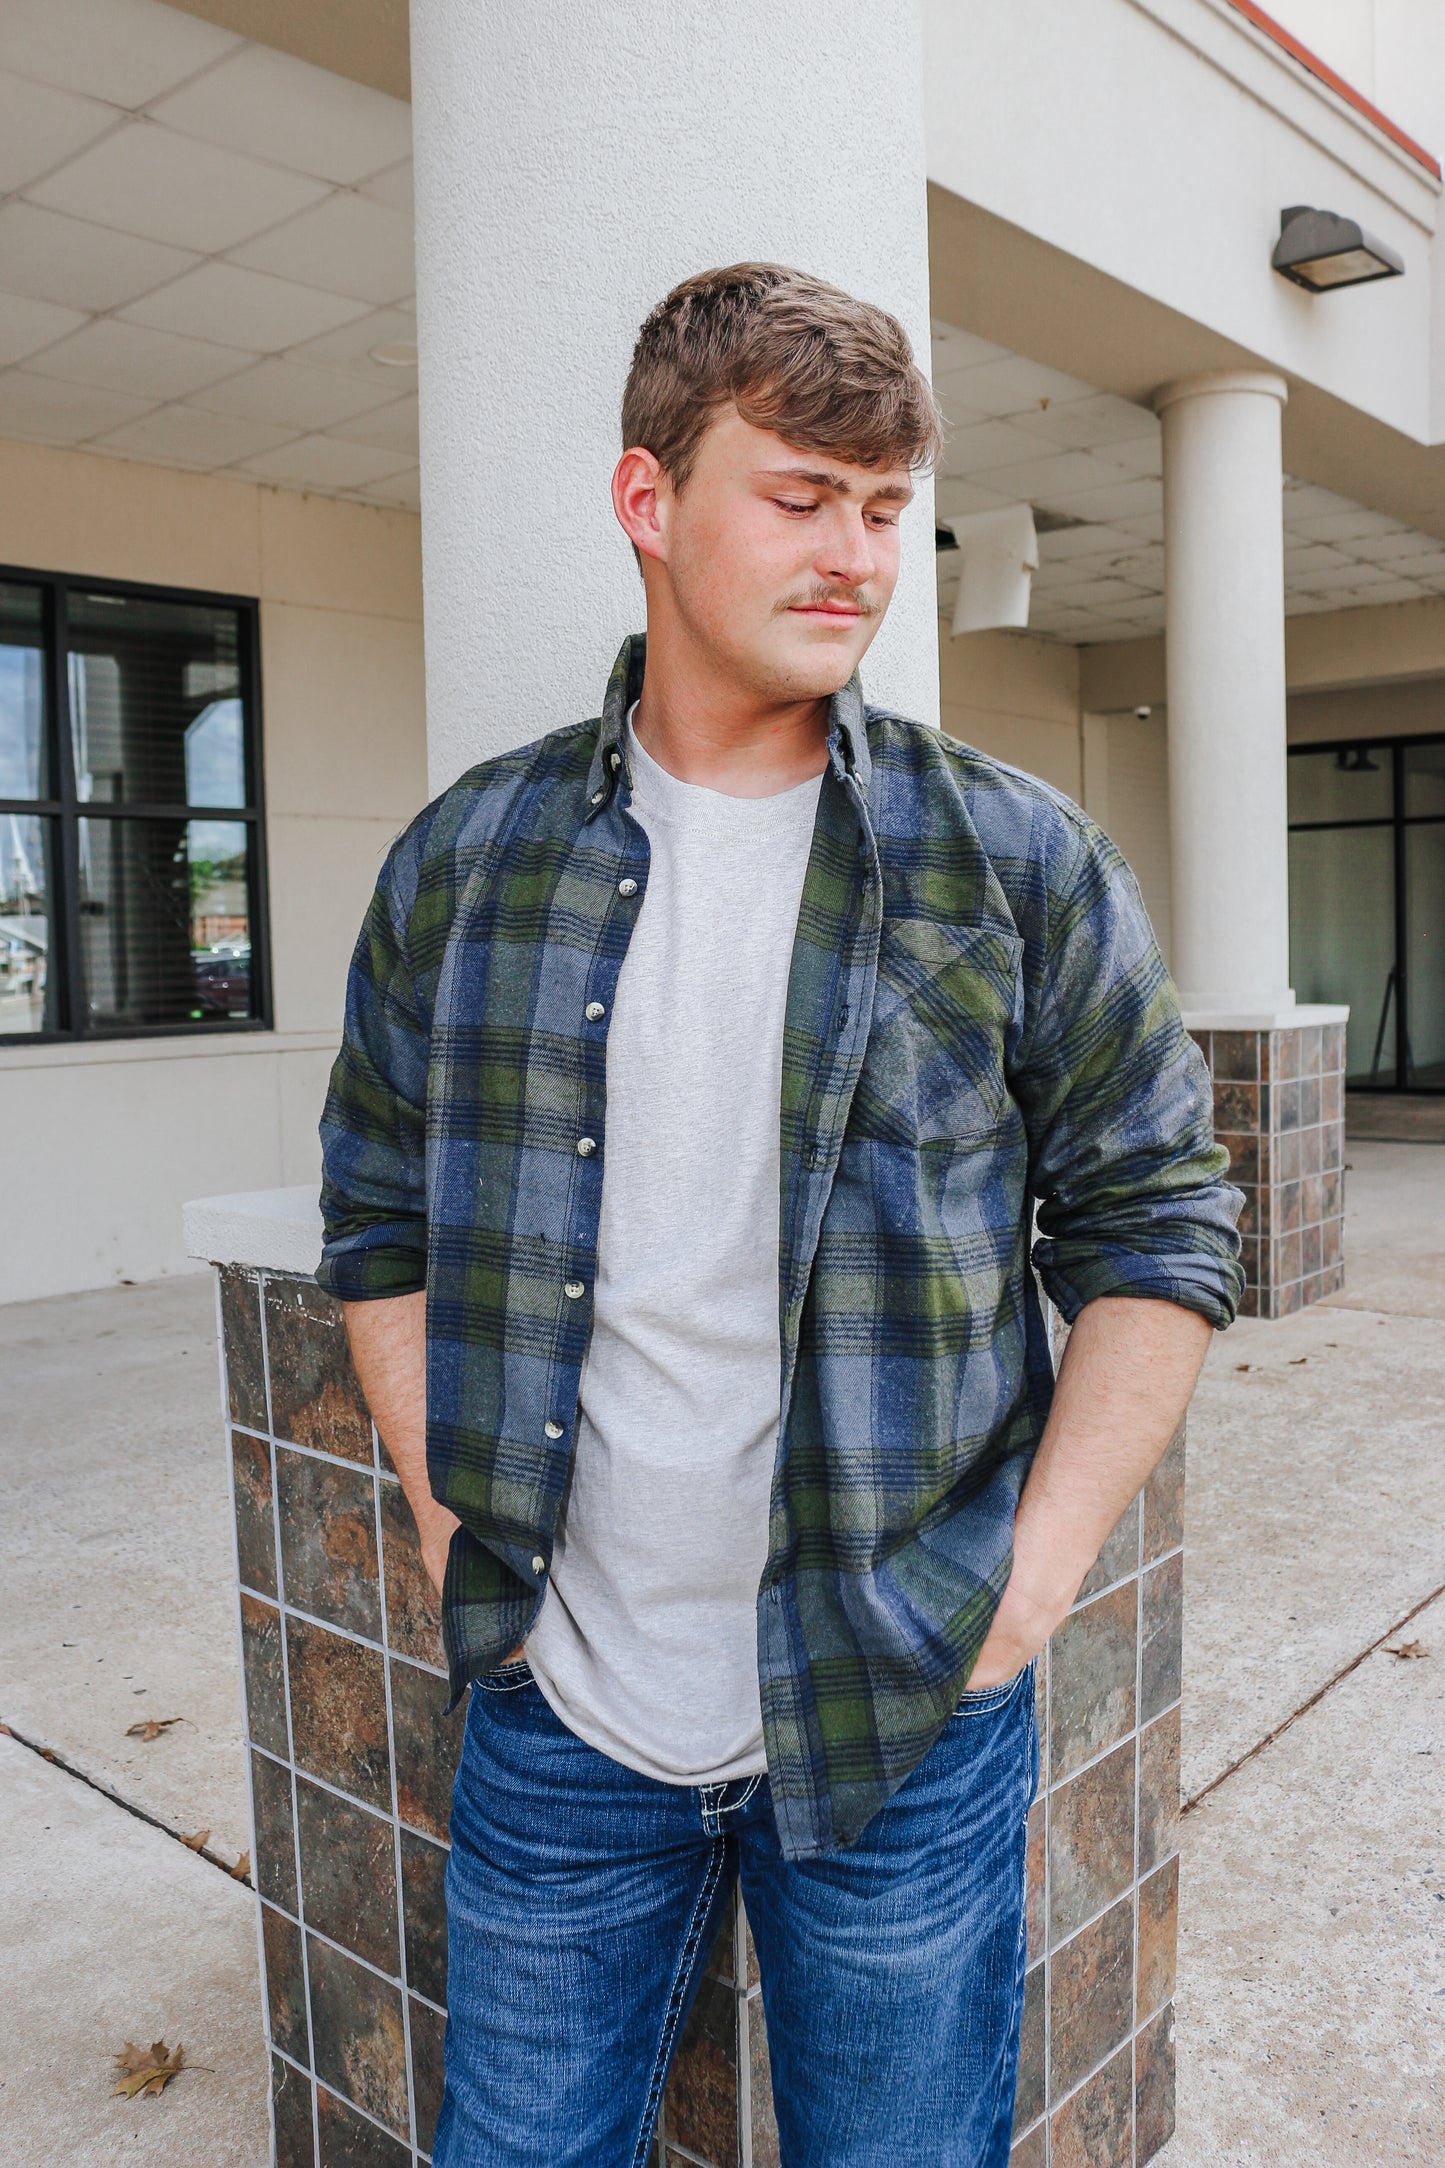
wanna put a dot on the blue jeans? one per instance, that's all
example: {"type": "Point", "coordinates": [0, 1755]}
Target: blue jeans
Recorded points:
{"type": "Point", "coordinates": [582, 1903]}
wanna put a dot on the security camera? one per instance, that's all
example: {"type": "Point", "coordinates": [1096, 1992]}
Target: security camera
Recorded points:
{"type": "Point", "coordinates": [1143, 714]}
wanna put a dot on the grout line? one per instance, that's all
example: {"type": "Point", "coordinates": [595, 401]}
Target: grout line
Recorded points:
{"type": "Point", "coordinates": [142, 1814]}
{"type": "Point", "coordinates": [1353, 1665]}
{"type": "Point", "coordinates": [395, 1806]}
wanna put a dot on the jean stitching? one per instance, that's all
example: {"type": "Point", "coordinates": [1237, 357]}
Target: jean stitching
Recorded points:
{"type": "Point", "coordinates": [676, 1997]}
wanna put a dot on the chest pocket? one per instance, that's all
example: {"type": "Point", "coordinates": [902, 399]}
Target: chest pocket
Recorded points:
{"type": "Point", "coordinates": [946, 997]}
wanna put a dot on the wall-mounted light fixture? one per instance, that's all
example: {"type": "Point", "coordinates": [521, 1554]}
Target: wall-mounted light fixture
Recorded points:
{"type": "Point", "coordinates": [1319, 250]}
{"type": "Point", "coordinates": [1000, 553]}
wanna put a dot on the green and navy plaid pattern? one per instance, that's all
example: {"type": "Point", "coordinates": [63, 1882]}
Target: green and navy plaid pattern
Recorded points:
{"type": "Point", "coordinates": [978, 1022]}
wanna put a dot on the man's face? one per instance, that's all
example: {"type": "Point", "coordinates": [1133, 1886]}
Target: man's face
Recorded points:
{"type": "Point", "coordinates": [778, 562]}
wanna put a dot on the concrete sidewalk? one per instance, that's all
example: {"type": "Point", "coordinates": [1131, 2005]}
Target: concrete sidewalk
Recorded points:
{"type": "Point", "coordinates": [1313, 1890]}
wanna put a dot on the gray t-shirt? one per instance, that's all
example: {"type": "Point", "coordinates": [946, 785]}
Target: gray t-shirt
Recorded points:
{"type": "Point", "coordinates": [646, 1644]}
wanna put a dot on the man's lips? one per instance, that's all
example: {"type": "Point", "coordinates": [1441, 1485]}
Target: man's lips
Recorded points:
{"type": "Point", "coordinates": [846, 610]}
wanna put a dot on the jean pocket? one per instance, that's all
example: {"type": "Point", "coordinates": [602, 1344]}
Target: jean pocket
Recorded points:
{"type": "Point", "coordinates": [508, 1679]}
{"type": "Point", "coordinates": [979, 1700]}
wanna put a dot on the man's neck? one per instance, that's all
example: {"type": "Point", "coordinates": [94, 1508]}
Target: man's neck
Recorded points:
{"type": "Point", "coordinates": [705, 729]}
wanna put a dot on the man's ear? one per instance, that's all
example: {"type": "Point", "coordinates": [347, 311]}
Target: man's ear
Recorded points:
{"type": "Point", "coordinates": [640, 491]}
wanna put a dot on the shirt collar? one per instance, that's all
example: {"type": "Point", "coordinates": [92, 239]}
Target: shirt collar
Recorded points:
{"type": "Point", "coordinates": [847, 732]}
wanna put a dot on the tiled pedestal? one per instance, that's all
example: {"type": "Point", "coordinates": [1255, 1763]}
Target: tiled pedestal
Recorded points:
{"type": "Point", "coordinates": [1279, 1109]}
{"type": "Point", "coordinates": [351, 1767]}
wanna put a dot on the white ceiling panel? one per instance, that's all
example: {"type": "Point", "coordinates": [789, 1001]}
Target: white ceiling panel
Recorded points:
{"type": "Point", "coordinates": [1057, 476]}
{"type": "Point", "coordinates": [401, 490]}
{"type": "Point", "coordinates": [26, 326]}
{"type": "Point", "coordinates": [41, 127]}
{"type": "Point", "coordinates": [58, 412]}
{"type": "Point", "coordinates": [126, 51]}
{"type": "Point", "coordinates": [247, 309]}
{"type": "Point", "coordinates": [1385, 548]}
{"type": "Point", "coordinates": [390, 428]}
{"type": "Point", "coordinates": [1120, 501]}
{"type": "Point", "coordinates": [82, 266]}
{"type": "Point", "coordinates": [325, 463]}
{"type": "Point", "coordinates": [1085, 424]}
{"type": "Point", "coordinates": [1012, 386]}
{"type": "Point", "coordinates": [119, 356]}
{"type": "Point", "coordinates": [283, 109]}
{"type": "Point", "coordinates": [167, 187]}
{"type": "Point", "coordinates": [346, 245]}
{"type": "Point", "coordinates": [294, 398]}
{"type": "Point", "coordinates": [393, 188]}
{"type": "Point", "coordinates": [182, 436]}
{"type": "Point", "coordinates": [973, 448]}
{"type": "Point", "coordinates": [954, 349]}
{"type": "Point", "coordinates": [351, 347]}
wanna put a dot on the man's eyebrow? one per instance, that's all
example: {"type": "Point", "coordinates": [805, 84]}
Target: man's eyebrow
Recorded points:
{"type": "Point", "coordinates": [825, 478]}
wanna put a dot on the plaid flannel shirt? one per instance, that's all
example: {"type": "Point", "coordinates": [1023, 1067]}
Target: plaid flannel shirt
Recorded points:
{"type": "Point", "coordinates": [978, 1022]}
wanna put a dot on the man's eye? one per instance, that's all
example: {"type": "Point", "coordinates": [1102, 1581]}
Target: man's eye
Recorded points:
{"type": "Point", "coordinates": [791, 504]}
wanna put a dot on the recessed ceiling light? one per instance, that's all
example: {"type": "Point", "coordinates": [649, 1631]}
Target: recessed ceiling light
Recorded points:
{"type": "Point", "coordinates": [396, 354]}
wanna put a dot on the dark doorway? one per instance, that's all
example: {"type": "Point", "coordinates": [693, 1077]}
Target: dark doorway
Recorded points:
{"type": "Point", "coordinates": [1367, 901]}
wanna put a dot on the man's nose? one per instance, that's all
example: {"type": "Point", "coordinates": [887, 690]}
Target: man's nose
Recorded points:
{"type": "Point", "coordinates": [847, 553]}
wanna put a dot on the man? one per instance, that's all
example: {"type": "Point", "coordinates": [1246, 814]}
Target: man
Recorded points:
{"type": "Point", "coordinates": [704, 1065]}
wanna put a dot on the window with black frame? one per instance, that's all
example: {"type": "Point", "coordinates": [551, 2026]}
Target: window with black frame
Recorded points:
{"type": "Point", "coordinates": [131, 839]}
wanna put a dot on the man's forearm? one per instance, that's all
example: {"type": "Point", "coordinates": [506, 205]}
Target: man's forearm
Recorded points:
{"type": "Point", "coordinates": [388, 1346]}
{"type": "Point", "coordinates": [1128, 1371]}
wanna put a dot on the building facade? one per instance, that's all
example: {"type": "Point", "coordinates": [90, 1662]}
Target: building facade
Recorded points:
{"type": "Point", "coordinates": [313, 323]}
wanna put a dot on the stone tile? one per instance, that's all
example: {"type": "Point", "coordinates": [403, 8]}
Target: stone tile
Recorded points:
{"type": "Point", "coordinates": [1309, 1102]}
{"type": "Point", "coordinates": [338, 1711]}
{"type": "Point", "coordinates": [274, 1867]}
{"type": "Point", "coordinates": [702, 2092]}
{"type": "Point", "coordinates": [766, 2153]}
{"type": "Point", "coordinates": [428, 2072]}
{"type": "Point", "coordinates": [1154, 2086]}
{"type": "Point", "coordinates": [1035, 1857]}
{"type": "Point", "coordinates": [1158, 1939]}
{"type": "Point", "coordinates": [241, 1334]}
{"type": "Point", "coordinates": [1331, 1243]}
{"type": "Point", "coordinates": [291, 2107]}
{"type": "Point", "coordinates": [1286, 1099]}
{"type": "Point", "coordinates": [1033, 2052]}
{"type": "Point", "coordinates": [1119, 1556]}
{"type": "Point", "coordinates": [1285, 1208]}
{"type": "Point", "coordinates": [285, 1983]}
{"type": "Point", "coordinates": [1311, 1150]}
{"type": "Point", "coordinates": [424, 1910]}
{"type": "Point", "coordinates": [1091, 1841]}
{"type": "Point", "coordinates": [1332, 1097]}
{"type": "Point", "coordinates": [349, 2141]}
{"type": "Point", "coordinates": [428, 1748]}
{"type": "Point", "coordinates": [328, 1541]}
{"type": "Point", "coordinates": [1161, 1612]}
{"type": "Point", "coordinates": [1158, 1790]}
{"type": "Point", "coordinates": [1311, 1199]}
{"type": "Point", "coordinates": [348, 1875]}
{"type": "Point", "coordinates": [1287, 1054]}
{"type": "Point", "coordinates": [1031, 2151]}
{"type": "Point", "coordinates": [1164, 1501]}
{"type": "Point", "coordinates": [1091, 1997]}
{"type": "Point", "coordinates": [1236, 1055]}
{"type": "Point", "coordinates": [1310, 1049]}
{"type": "Point", "coordinates": [1095, 2126]}
{"type": "Point", "coordinates": [255, 1527]}
{"type": "Point", "coordinates": [1311, 1258]}
{"type": "Point", "coordinates": [265, 1679]}
{"type": "Point", "coordinates": [1286, 1164]}
{"type": "Point", "coordinates": [1091, 1679]}
{"type": "Point", "coordinates": [315, 1397]}
{"type": "Point", "coordinates": [1236, 1106]}
{"type": "Point", "coordinates": [1252, 1214]}
{"type": "Point", "coordinates": [413, 1614]}
{"type": "Point", "coordinates": [356, 2026]}
{"type": "Point", "coordinates": [1243, 1149]}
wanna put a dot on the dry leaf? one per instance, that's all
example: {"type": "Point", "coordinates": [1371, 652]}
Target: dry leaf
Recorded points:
{"type": "Point", "coordinates": [194, 1844]}
{"type": "Point", "coordinates": [242, 1868]}
{"type": "Point", "coordinates": [1409, 1648]}
{"type": "Point", "coordinates": [152, 1727]}
{"type": "Point", "coordinates": [1296, 1360]}
{"type": "Point", "coordinates": [146, 2070]}
{"type": "Point", "coordinates": [1244, 1366]}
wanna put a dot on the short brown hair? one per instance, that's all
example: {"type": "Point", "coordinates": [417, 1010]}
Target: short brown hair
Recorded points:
{"type": "Point", "coordinates": [794, 355]}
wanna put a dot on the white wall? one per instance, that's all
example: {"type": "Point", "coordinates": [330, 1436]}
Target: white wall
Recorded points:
{"type": "Point", "coordinates": [102, 1144]}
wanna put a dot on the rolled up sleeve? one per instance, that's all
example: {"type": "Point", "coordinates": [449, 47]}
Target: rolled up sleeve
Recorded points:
{"type": "Point", "coordinates": [1130, 1185]}
{"type": "Point", "coordinates": [373, 1129]}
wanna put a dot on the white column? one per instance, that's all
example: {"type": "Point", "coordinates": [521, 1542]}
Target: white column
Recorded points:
{"type": "Point", "coordinates": [574, 160]}
{"type": "Point", "coordinates": [1224, 595]}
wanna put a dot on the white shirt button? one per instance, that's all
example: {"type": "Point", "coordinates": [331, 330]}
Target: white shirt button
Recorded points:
{"type": "Point", "coordinates": [598, 796]}
{"type": "Point", "coordinates": [594, 1011]}
{"type": "Point", "coordinates": [553, 1430]}
{"type": "Point", "coordinates": [573, 1290]}
{"type": "Point", "coordinates": [627, 887]}
{"type": "Point", "coordinates": [539, 1565]}
{"type": "Point", "coordinates": [586, 1146]}
{"type": "Point", "coordinates": [616, 759]}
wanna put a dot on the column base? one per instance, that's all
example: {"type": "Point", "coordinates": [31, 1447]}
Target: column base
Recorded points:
{"type": "Point", "coordinates": [1279, 1111]}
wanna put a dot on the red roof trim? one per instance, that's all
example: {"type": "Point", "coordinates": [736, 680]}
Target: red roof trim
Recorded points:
{"type": "Point", "coordinates": [1337, 83]}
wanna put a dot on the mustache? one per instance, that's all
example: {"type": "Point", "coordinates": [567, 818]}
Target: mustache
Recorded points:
{"type": "Point", "coordinates": [823, 592]}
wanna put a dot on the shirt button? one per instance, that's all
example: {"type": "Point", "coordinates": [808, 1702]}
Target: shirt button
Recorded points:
{"type": "Point", "coordinates": [616, 759]}
{"type": "Point", "coordinates": [573, 1290]}
{"type": "Point", "coordinates": [598, 796]}
{"type": "Point", "coordinates": [627, 887]}
{"type": "Point", "coordinates": [539, 1565]}
{"type": "Point", "coordinates": [586, 1146]}
{"type": "Point", "coordinates": [553, 1430]}
{"type": "Point", "coordinates": [594, 1011]}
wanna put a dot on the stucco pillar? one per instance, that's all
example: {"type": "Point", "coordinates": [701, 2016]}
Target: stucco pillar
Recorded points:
{"type": "Point", "coordinates": [575, 159]}
{"type": "Point", "coordinates": [1224, 596]}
